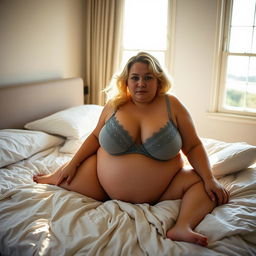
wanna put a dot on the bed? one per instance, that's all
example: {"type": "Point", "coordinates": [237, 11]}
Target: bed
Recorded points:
{"type": "Point", "coordinates": [42, 126]}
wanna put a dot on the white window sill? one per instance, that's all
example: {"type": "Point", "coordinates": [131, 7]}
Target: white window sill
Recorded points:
{"type": "Point", "coordinates": [232, 117]}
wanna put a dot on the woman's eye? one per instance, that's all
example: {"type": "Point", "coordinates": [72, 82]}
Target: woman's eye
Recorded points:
{"type": "Point", "coordinates": [148, 78]}
{"type": "Point", "coordinates": [135, 78]}
{"type": "Point", "coordinates": [145, 78]}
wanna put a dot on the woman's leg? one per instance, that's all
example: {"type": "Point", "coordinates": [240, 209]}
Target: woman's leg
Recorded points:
{"type": "Point", "coordinates": [195, 205]}
{"type": "Point", "coordinates": [85, 181]}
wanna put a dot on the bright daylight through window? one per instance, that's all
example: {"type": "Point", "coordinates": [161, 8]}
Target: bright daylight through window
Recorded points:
{"type": "Point", "coordinates": [239, 58]}
{"type": "Point", "coordinates": [145, 28]}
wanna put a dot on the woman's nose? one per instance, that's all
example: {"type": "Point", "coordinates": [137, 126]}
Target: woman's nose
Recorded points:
{"type": "Point", "coordinates": [141, 82]}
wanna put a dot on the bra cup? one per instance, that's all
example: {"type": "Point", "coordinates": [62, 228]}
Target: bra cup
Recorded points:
{"type": "Point", "coordinates": [165, 144]}
{"type": "Point", "coordinates": [108, 143]}
{"type": "Point", "coordinates": [116, 142]}
{"type": "Point", "coordinates": [166, 151]}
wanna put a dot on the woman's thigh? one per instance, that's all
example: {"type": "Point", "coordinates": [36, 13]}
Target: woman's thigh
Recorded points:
{"type": "Point", "coordinates": [180, 183]}
{"type": "Point", "coordinates": [86, 180]}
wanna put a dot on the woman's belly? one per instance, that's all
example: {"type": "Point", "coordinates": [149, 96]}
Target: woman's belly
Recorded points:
{"type": "Point", "coordinates": [135, 178]}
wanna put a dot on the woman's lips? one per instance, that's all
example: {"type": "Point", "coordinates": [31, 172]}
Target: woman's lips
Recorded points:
{"type": "Point", "coordinates": [142, 91]}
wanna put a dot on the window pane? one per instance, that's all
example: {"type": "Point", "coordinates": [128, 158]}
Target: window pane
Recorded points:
{"type": "Point", "coordinates": [236, 83]}
{"type": "Point", "coordinates": [243, 12]}
{"type": "Point", "coordinates": [241, 83]}
{"type": "Point", "coordinates": [145, 24]}
{"type": "Point", "coordinates": [237, 70]}
{"type": "Point", "coordinates": [234, 99]}
{"type": "Point", "coordinates": [160, 57]}
{"type": "Point", "coordinates": [126, 56]}
{"type": "Point", "coordinates": [240, 39]}
{"type": "Point", "coordinates": [251, 88]}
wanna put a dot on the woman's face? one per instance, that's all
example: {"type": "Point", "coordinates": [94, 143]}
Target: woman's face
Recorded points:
{"type": "Point", "coordinates": [142, 84]}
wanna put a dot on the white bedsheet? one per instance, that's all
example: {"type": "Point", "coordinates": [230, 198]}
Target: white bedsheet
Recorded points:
{"type": "Point", "coordinates": [38, 219]}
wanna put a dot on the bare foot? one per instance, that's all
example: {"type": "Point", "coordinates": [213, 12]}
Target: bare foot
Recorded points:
{"type": "Point", "coordinates": [50, 179]}
{"type": "Point", "coordinates": [44, 179]}
{"type": "Point", "coordinates": [186, 235]}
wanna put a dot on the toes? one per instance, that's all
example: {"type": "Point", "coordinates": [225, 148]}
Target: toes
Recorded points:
{"type": "Point", "coordinates": [198, 239]}
{"type": "Point", "coordinates": [37, 177]}
{"type": "Point", "coordinates": [187, 236]}
{"type": "Point", "coordinates": [203, 241]}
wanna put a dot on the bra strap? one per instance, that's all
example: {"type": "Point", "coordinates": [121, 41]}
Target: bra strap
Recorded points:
{"type": "Point", "coordinates": [168, 103]}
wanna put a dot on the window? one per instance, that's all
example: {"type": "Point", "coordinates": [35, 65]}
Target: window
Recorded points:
{"type": "Point", "coordinates": [237, 90]}
{"type": "Point", "coordinates": [147, 28]}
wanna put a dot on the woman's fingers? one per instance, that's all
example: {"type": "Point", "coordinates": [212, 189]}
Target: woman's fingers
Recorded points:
{"type": "Point", "coordinates": [60, 178]}
{"type": "Point", "coordinates": [69, 179]}
{"type": "Point", "coordinates": [65, 173]}
{"type": "Point", "coordinates": [212, 196]}
{"type": "Point", "coordinates": [223, 196]}
{"type": "Point", "coordinates": [217, 192]}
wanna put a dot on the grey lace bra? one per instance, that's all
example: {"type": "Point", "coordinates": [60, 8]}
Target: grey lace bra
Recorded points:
{"type": "Point", "coordinates": [162, 145]}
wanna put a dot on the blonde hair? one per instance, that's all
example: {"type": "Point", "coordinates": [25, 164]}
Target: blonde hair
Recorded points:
{"type": "Point", "coordinates": [117, 92]}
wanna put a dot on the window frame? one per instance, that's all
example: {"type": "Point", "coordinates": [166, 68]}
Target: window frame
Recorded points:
{"type": "Point", "coordinates": [217, 110]}
{"type": "Point", "coordinates": [171, 12]}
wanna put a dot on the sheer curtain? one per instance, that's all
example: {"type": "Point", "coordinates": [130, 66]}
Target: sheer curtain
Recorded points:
{"type": "Point", "coordinates": [103, 25]}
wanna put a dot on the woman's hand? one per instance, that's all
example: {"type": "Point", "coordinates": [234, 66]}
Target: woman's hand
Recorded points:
{"type": "Point", "coordinates": [216, 191]}
{"type": "Point", "coordinates": [67, 171]}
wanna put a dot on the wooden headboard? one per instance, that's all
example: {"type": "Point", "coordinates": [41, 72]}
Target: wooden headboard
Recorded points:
{"type": "Point", "coordinates": [23, 103]}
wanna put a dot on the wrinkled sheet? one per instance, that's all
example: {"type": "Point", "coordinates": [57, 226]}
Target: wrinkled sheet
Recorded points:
{"type": "Point", "coordinates": [37, 219]}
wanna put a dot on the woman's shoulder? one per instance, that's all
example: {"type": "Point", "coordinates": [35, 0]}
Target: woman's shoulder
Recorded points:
{"type": "Point", "coordinates": [108, 107]}
{"type": "Point", "coordinates": [173, 99]}
{"type": "Point", "coordinates": [107, 111]}
{"type": "Point", "coordinates": [176, 103]}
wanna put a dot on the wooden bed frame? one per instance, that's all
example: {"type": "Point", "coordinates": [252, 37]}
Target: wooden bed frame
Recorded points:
{"type": "Point", "coordinates": [23, 103]}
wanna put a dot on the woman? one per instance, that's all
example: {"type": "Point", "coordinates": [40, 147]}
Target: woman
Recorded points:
{"type": "Point", "coordinates": [133, 154]}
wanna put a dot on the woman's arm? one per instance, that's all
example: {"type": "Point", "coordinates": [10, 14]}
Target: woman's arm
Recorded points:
{"type": "Point", "coordinates": [88, 148]}
{"type": "Point", "coordinates": [194, 150]}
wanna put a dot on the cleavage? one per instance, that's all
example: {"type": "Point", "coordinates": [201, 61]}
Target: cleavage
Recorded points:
{"type": "Point", "coordinates": [139, 142]}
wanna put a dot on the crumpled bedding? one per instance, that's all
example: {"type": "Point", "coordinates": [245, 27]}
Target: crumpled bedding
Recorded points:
{"type": "Point", "coordinates": [37, 219]}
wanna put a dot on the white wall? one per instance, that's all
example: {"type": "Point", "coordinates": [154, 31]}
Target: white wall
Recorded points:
{"type": "Point", "coordinates": [195, 32]}
{"type": "Point", "coordinates": [40, 40]}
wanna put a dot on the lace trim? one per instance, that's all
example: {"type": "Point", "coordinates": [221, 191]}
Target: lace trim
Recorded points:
{"type": "Point", "coordinates": [164, 134]}
{"type": "Point", "coordinates": [117, 132]}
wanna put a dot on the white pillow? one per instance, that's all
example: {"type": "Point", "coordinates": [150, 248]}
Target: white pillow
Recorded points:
{"type": "Point", "coordinates": [72, 123]}
{"type": "Point", "coordinates": [17, 144]}
{"type": "Point", "coordinates": [71, 146]}
{"type": "Point", "coordinates": [235, 157]}
{"type": "Point", "coordinates": [226, 158]}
